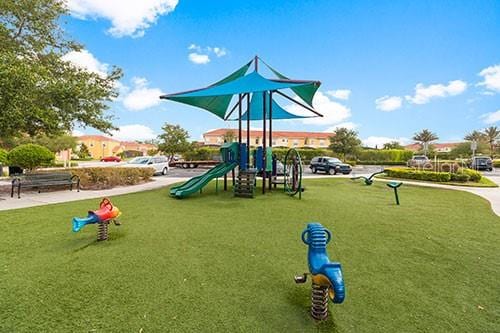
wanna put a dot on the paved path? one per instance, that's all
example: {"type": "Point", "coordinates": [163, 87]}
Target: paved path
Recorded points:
{"type": "Point", "coordinates": [30, 199]}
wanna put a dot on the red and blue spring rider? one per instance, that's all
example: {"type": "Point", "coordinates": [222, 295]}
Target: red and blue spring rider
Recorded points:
{"type": "Point", "coordinates": [103, 216]}
{"type": "Point", "coordinates": [326, 276]}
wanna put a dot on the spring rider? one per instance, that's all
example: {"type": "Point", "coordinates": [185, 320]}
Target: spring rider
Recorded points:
{"type": "Point", "coordinates": [103, 216]}
{"type": "Point", "coordinates": [326, 276]}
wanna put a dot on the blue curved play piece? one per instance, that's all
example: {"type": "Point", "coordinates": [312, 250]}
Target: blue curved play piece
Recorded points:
{"type": "Point", "coordinates": [316, 237]}
{"type": "Point", "coordinates": [80, 222]}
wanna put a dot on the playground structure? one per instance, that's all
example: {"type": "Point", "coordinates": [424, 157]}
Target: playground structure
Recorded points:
{"type": "Point", "coordinates": [255, 100]}
{"type": "Point", "coordinates": [326, 276]}
{"type": "Point", "coordinates": [368, 180]}
{"type": "Point", "coordinates": [395, 186]}
{"type": "Point", "coordinates": [106, 213]}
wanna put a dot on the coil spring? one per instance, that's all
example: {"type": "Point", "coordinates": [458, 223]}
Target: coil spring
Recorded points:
{"type": "Point", "coordinates": [319, 302]}
{"type": "Point", "coordinates": [102, 231]}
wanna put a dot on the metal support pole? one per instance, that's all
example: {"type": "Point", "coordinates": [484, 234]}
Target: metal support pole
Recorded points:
{"type": "Point", "coordinates": [396, 195]}
{"type": "Point", "coordinates": [239, 119]}
{"type": "Point", "coordinates": [264, 142]}
{"type": "Point", "coordinates": [225, 182]}
{"type": "Point", "coordinates": [248, 130]}
{"type": "Point", "coordinates": [256, 63]}
{"type": "Point", "coordinates": [271, 132]}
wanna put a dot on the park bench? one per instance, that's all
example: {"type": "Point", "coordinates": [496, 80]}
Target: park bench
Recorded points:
{"type": "Point", "coordinates": [44, 180]}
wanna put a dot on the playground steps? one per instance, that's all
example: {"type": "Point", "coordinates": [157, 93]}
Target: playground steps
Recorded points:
{"type": "Point", "coordinates": [245, 184]}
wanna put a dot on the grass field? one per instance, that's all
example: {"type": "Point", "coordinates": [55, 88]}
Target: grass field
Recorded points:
{"type": "Point", "coordinates": [214, 263]}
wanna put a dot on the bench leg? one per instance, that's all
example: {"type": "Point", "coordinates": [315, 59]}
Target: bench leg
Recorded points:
{"type": "Point", "coordinates": [78, 186]}
{"type": "Point", "coordinates": [19, 191]}
{"type": "Point", "coordinates": [12, 191]}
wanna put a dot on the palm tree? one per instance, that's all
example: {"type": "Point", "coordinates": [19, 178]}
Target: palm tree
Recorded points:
{"type": "Point", "coordinates": [492, 134]}
{"type": "Point", "coordinates": [425, 137]}
{"type": "Point", "coordinates": [474, 136]}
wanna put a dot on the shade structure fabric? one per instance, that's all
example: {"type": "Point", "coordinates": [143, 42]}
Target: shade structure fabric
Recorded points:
{"type": "Point", "coordinates": [256, 110]}
{"type": "Point", "coordinates": [215, 104]}
{"type": "Point", "coordinates": [216, 98]}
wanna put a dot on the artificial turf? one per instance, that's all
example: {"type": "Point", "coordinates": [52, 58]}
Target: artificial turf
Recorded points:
{"type": "Point", "coordinates": [214, 263]}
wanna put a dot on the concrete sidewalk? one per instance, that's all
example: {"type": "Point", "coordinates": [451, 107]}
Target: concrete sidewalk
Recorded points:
{"type": "Point", "coordinates": [31, 199]}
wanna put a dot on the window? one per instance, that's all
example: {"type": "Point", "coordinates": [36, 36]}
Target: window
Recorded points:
{"type": "Point", "coordinates": [91, 144]}
{"type": "Point", "coordinates": [256, 141]}
{"type": "Point", "coordinates": [284, 140]}
{"type": "Point", "coordinates": [274, 142]}
{"type": "Point", "coordinates": [321, 142]}
{"type": "Point", "coordinates": [295, 142]}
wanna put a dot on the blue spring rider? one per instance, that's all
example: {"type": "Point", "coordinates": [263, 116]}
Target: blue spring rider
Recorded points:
{"type": "Point", "coordinates": [326, 276]}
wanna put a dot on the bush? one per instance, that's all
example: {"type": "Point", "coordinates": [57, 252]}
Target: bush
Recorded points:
{"type": "Point", "coordinates": [496, 163]}
{"type": "Point", "coordinates": [474, 176]}
{"type": "Point", "coordinates": [109, 177]}
{"type": "Point", "coordinates": [460, 177]}
{"type": "Point", "coordinates": [61, 164]}
{"type": "Point", "coordinates": [381, 163]}
{"type": "Point", "coordinates": [3, 156]}
{"type": "Point", "coordinates": [382, 156]}
{"type": "Point", "coordinates": [407, 173]}
{"type": "Point", "coordinates": [30, 156]}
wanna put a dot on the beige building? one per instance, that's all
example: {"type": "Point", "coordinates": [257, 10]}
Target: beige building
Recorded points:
{"type": "Point", "coordinates": [438, 147]}
{"type": "Point", "coordinates": [101, 146]}
{"type": "Point", "coordinates": [288, 139]}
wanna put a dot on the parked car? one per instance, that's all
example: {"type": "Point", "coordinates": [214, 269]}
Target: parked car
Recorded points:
{"type": "Point", "coordinates": [481, 163]}
{"type": "Point", "coordinates": [330, 165]}
{"type": "Point", "coordinates": [418, 161]}
{"type": "Point", "coordinates": [111, 159]}
{"type": "Point", "coordinates": [158, 163]}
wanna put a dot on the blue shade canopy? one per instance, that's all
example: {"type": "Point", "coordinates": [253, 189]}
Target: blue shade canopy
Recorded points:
{"type": "Point", "coordinates": [256, 110]}
{"type": "Point", "coordinates": [217, 97]}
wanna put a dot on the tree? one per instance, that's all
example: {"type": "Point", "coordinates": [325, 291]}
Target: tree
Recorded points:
{"type": "Point", "coordinates": [492, 135]}
{"type": "Point", "coordinates": [464, 150]}
{"type": "Point", "coordinates": [475, 136]}
{"type": "Point", "coordinates": [40, 93]}
{"type": "Point", "coordinates": [173, 141]}
{"type": "Point", "coordinates": [425, 137]}
{"type": "Point", "coordinates": [393, 145]}
{"type": "Point", "coordinates": [229, 136]}
{"type": "Point", "coordinates": [83, 151]}
{"type": "Point", "coordinates": [345, 142]}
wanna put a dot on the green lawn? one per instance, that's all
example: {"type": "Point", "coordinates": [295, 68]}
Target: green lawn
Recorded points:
{"type": "Point", "coordinates": [214, 263]}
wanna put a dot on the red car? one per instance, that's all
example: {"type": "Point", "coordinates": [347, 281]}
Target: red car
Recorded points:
{"type": "Point", "coordinates": [111, 159]}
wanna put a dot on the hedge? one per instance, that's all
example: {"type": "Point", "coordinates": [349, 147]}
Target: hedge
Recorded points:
{"type": "Point", "coordinates": [407, 173]}
{"type": "Point", "coordinates": [385, 155]}
{"type": "Point", "coordinates": [381, 163]}
{"type": "Point", "coordinates": [3, 156]}
{"type": "Point", "coordinates": [30, 156]}
{"type": "Point", "coordinates": [496, 163]}
{"type": "Point", "coordinates": [109, 177]}
{"type": "Point", "coordinates": [474, 175]}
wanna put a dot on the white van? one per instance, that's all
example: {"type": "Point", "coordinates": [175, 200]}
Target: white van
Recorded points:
{"type": "Point", "coordinates": [158, 163]}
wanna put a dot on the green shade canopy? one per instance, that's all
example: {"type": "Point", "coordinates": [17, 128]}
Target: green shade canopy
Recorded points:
{"type": "Point", "coordinates": [217, 97]}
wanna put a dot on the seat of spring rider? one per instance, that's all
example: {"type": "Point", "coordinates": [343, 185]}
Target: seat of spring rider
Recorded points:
{"type": "Point", "coordinates": [394, 184]}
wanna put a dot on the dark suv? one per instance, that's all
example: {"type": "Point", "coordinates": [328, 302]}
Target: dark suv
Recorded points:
{"type": "Point", "coordinates": [330, 165]}
{"type": "Point", "coordinates": [481, 163]}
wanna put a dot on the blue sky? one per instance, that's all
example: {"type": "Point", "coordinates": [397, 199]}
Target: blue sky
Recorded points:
{"type": "Point", "coordinates": [388, 68]}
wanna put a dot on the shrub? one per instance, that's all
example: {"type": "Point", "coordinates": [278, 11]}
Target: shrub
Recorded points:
{"type": "Point", "coordinates": [3, 156]}
{"type": "Point", "coordinates": [407, 173]}
{"type": "Point", "coordinates": [474, 176]}
{"type": "Point", "coordinates": [460, 177]}
{"type": "Point", "coordinates": [385, 155]}
{"type": "Point", "coordinates": [496, 163]}
{"type": "Point", "coordinates": [109, 177]}
{"type": "Point", "coordinates": [381, 162]}
{"type": "Point", "coordinates": [30, 156]}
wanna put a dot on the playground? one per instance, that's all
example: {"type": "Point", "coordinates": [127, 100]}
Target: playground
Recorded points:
{"type": "Point", "coordinates": [213, 262]}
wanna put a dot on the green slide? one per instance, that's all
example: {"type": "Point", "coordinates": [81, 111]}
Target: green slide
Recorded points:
{"type": "Point", "coordinates": [196, 183]}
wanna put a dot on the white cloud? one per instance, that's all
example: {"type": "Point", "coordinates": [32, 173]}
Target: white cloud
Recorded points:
{"type": "Point", "coordinates": [423, 94]}
{"type": "Point", "coordinates": [86, 60]}
{"type": "Point", "coordinates": [389, 103]}
{"type": "Point", "coordinates": [128, 17]}
{"type": "Point", "coordinates": [342, 94]}
{"type": "Point", "coordinates": [141, 97]}
{"type": "Point", "coordinates": [348, 124]}
{"type": "Point", "coordinates": [333, 112]}
{"type": "Point", "coordinates": [76, 132]}
{"type": "Point", "coordinates": [491, 118]}
{"type": "Point", "coordinates": [201, 55]}
{"type": "Point", "coordinates": [133, 132]}
{"type": "Point", "coordinates": [378, 141]}
{"type": "Point", "coordinates": [199, 59]}
{"type": "Point", "coordinates": [491, 76]}
{"type": "Point", "coordinates": [219, 52]}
